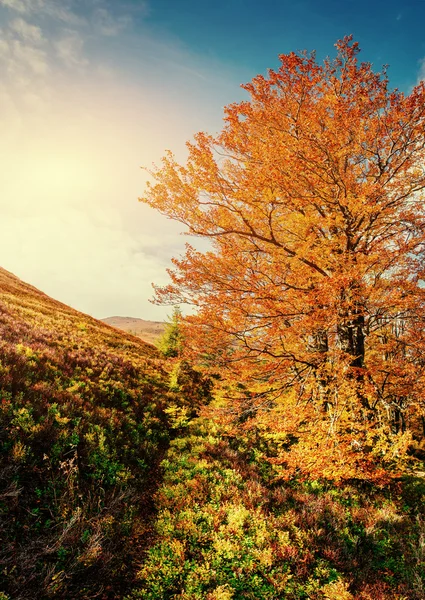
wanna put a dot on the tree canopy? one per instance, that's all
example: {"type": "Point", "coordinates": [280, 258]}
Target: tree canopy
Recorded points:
{"type": "Point", "coordinates": [311, 296]}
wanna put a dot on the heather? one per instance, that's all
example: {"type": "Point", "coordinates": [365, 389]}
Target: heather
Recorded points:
{"type": "Point", "coordinates": [82, 429]}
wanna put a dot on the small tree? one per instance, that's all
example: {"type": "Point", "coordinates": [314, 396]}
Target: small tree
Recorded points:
{"type": "Point", "coordinates": [191, 386]}
{"type": "Point", "coordinates": [170, 343]}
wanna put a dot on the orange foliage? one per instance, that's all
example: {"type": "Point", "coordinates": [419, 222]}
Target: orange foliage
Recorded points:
{"type": "Point", "coordinates": [312, 198]}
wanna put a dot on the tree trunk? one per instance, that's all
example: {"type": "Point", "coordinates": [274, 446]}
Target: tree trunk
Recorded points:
{"type": "Point", "coordinates": [351, 338]}
{"type": "Point", "coordinates": [320, 346]}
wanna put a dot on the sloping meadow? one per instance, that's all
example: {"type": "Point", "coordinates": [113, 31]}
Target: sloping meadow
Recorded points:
{"type": "Point", "coordinates": [82, 430]}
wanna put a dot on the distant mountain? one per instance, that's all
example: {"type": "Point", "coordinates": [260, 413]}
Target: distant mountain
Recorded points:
{"type": "Point", "coordinates": [149, 331]}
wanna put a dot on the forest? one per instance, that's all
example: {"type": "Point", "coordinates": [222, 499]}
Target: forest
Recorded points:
{"type": "Point", "coordinates": [271, 446]}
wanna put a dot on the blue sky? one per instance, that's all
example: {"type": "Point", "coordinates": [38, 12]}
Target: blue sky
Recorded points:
{"type": "Point", "coordinates": [250, 34]}
{"type": "Point", "coordinates": [93, 89]}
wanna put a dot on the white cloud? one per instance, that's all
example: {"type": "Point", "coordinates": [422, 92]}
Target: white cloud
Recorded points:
{"type": "Point", "coordinates": [69, 48]}
{"type": "Point", "coordinates": [64, 12]}
{"type": "Point", "coordinates": [4, 47]}
{"type": "Point", "coordinates": [24, 64]}
{"type": "Point", "coordinates": [26, 31]}
{"type": "Point", "coordinates": [27, 57]}
{"type": "Point", "coordinates": [20, 61]}
{"type": "Point", "coordinates": [108, 25]}
{"type": "Point", "coordinates": [61, 10]}
{"type": "Point", "coordinates": [23, 6]}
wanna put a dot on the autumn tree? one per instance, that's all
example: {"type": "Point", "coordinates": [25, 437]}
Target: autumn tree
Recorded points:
{"type": "Point", "coordinates": [312, 288]}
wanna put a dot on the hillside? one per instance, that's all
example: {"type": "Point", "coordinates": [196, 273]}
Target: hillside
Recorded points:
{"type": "Point", "coordinates": [82, 430]}
{"type": "Point", "coordinates": [112, 486]}
{"type": "Point", "coordinates": [149, 331]}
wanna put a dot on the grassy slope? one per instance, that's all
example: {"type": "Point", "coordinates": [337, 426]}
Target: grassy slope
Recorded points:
{"type": "Point", "coordinates": [82, 429]}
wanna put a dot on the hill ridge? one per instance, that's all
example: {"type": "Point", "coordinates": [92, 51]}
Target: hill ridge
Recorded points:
{"type": "Point", "coordinates": [149, 331]}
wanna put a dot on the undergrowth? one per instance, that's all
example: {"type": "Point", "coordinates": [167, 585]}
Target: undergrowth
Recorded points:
{"type": "Point", "coordinates": [226, 529]}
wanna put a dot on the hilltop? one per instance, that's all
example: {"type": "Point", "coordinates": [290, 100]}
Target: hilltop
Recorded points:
{"type": "Point", "coordinates": [82, 430]}
{"type": "Point", "coordinates": [149, 331]}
